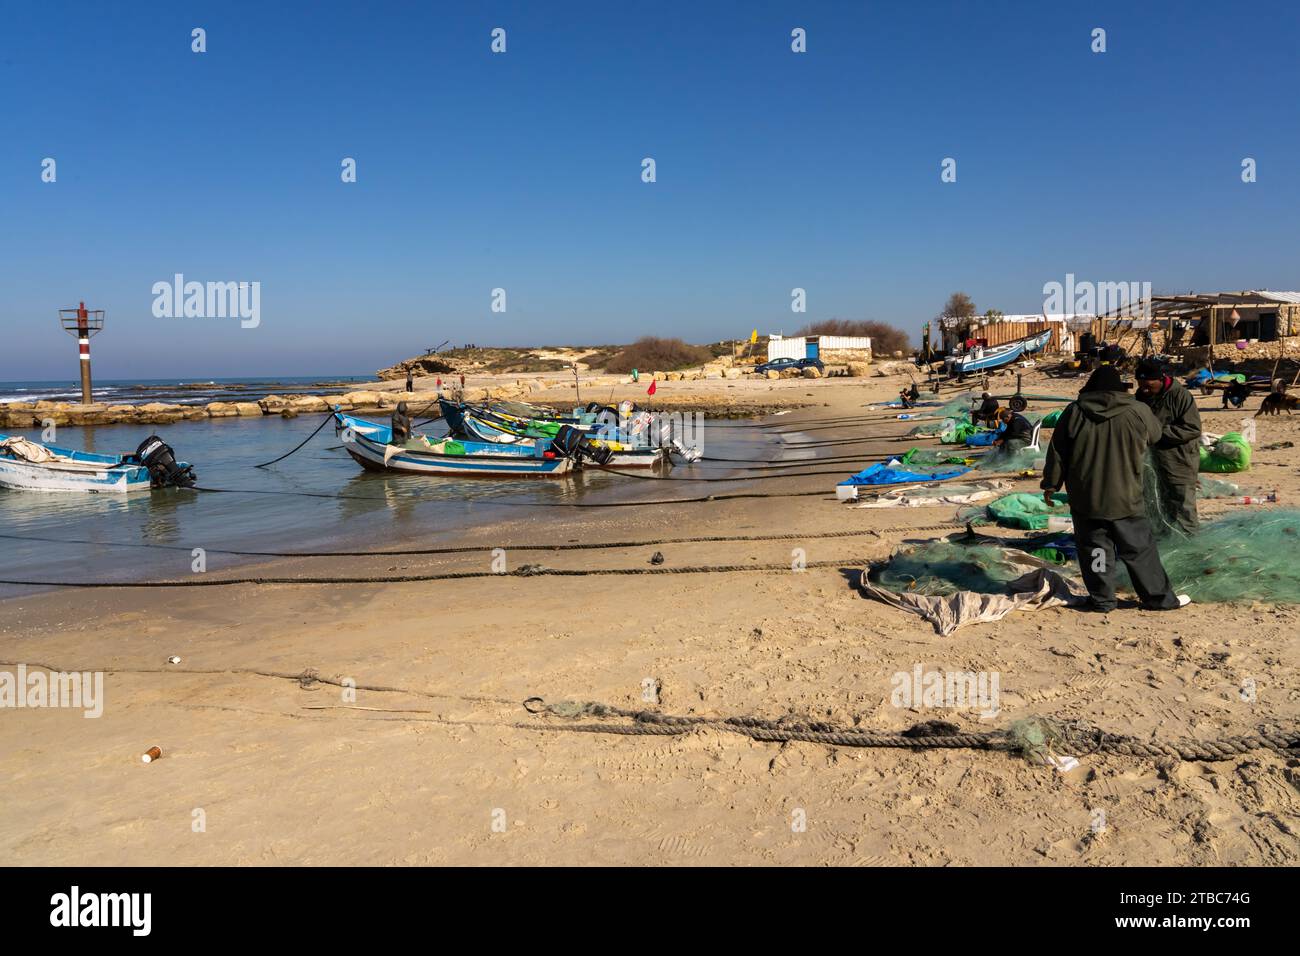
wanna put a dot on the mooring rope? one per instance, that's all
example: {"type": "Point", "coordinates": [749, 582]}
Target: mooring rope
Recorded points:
{"type": "Point", "coordinates": [525, 571]}
{"type": "Point", "coordinates": [470, 549]}
{"type": "Point", "coordinates": [299, 445]}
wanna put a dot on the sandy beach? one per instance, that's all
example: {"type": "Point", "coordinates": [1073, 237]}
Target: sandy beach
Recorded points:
{"type": "Point", "coordinates": [422, 763]}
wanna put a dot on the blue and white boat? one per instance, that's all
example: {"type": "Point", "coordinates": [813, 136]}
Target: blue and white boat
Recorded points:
{"type": "Point", "coordinates": [26, 465]}
{"type": "Point", "coordinates": [490, 424]}
{"type": "Point", "coordinates": [371, 445]}
{"type": "Point", "coordinates": [982, 359]}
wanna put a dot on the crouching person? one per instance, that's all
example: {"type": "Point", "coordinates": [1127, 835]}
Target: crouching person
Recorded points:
{"type": "Point", "coordinates": [1015, 432]}
{"type": "Point", "coordinates": [1097, 452]}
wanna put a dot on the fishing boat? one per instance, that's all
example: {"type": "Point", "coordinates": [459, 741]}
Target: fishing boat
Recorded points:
{"type": "Point", "coordinates": [26, 465]}
{"type": "Point", "coordinates": [495, 423]}
{"type": "Point", "coordinates": [371, 445]}
{"type": "Point", "coordinates": [981, 359]}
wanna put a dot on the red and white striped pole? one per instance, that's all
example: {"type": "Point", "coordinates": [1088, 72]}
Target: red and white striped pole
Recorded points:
{"type": "Point", "coordinates": [83, 344]}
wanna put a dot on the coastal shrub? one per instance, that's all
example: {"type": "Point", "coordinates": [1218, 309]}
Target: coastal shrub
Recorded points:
{"type": "Point", "coordinates": [885, 339]}
{"type": "Point", "coordinates": [658, 355]}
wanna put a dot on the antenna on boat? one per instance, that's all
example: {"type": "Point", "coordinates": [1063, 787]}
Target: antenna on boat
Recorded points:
{"type": "Point", "coordinates": [83, 323]}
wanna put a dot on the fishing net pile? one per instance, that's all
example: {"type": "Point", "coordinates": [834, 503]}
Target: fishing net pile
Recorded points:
{"type": "Point", "coordinates": [924, 459]}
{"type": "Point", "coordinates": [1229, 454]}
{"type": "Point", "coordinates": [958, 582]}
{"type": "Point", "coordinates": [1026, 459]}
{"type": "Point", "coordinates": [1028, 511]}
{"type": "Point", "coordinates": [946, 567]}
{"type": "Point", "coordinates": [1247, 556]}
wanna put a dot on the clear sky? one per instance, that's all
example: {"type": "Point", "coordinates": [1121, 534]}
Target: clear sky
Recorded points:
{"type": "Point", "coordinates": [522, 170]}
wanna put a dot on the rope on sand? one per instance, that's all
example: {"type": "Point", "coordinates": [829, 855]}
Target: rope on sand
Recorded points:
{"type": "Point", "coordinates": [472, 549]}
{"type": "Point", "coordinates": [1035, 736]}
{"type": "Point", "coordinates": [524, 571]}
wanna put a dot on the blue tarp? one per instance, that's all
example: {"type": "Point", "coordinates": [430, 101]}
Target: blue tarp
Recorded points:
{"type": "Point", "coordinates": [981, 439]}
{"type": "Point", "coordinates": [1202, 375]}
{"type": "Point", "coordinates": [885, 475]}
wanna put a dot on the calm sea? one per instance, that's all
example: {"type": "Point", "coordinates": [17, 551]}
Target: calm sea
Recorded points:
{"type": "Point", "coordinates": [176, 391]}
{"type": "Point", "coordinates": [360, 510]}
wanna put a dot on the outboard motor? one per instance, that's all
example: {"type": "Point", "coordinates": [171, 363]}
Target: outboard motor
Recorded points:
{"type": "Point", "coordinates": [571, 443]}
{"type": "Point", "coordinates": [164, 470]}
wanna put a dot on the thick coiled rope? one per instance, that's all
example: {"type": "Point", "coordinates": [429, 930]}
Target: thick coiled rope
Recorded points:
{"type": "Point", "coordinates": [1074, 738]}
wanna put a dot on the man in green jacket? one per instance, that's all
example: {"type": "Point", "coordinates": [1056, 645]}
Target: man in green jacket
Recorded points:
{"type": "Point", "coordinates": [1177, 455]}
{"type": "Point", "coordinates": [1097, 451]}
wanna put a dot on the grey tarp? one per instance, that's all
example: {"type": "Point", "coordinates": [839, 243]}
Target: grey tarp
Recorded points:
{"type": "Point", "coordinates": [1043, 585]}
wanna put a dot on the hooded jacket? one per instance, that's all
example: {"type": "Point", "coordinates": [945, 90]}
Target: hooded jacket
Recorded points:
{"type": "Point", "coordinates": [1097, 451]}
{"type": "Point", "coordinates": [1178, 453]}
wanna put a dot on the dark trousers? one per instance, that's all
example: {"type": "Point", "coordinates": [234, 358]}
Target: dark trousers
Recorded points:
{"type": "Point", "coordinates": [1101, 541]}
{"type": "Point", "coordinates": [1177, 503]}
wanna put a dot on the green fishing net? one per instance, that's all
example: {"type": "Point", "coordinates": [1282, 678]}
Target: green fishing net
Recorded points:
{"type": "Point", "coordinates": [941, 568]}
{"type": "Point", "coordinates": [1021, 509]}
{"type": "Point", "coordinates": [1026, 459]}
{"type": "Point", "coordinates": [1231, 453]}
{"type": "Point", "coordinates": [919, 458]}
{"type": "Point", "coordinates": [1246, 556]}
{"type": "Point", "coordinates": [1217, 488]}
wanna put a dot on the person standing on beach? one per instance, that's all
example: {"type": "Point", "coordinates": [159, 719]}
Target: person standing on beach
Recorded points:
{"type": "Point", "coordinates": [1177, 456]}
{"type": "Point", "coordinates": [1097, 452]}
{"type": "Point", "coordinates": [410, 380]}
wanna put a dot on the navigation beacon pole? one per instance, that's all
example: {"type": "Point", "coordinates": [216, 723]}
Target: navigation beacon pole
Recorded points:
{"type": "Point", "coordinates": [83, 323]}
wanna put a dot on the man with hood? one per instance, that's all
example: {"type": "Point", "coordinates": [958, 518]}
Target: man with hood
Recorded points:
{"type": "Point", "coordinates": [1177, 455]}
{"type": "Point", "coordinates": [1097, 452]}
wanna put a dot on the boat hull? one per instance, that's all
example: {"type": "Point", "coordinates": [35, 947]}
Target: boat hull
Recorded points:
{"type": "Point", "coordinates": [368, 444]}
{"type": "Point", "coordinates": [997, 356]}
{"type": "Point", "coordinates": [118, 480]}
{"type": "Point", "coordinates": [70, 471]}
{"type": "Point", "coordinates": [488, 427]}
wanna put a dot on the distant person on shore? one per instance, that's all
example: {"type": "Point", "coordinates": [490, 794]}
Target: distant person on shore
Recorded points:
{"type": "Point", "coordinates": [1236, 393]}
{"type": "Point", "coordinates": [1177, 456]}
{"type": "Point", "coordinates": [410, 380]}
{"type": "Point", "coordinates": [401, 425]}
{"type": "Point", "coordinates": [1097, 452]}
{"type": "Point", "coordinates": [987, 413]}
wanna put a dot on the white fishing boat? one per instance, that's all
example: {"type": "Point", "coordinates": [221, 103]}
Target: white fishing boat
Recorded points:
{"type": "Point", "coordinates": [982, 359]}
{"type": "Point", "coordinates": [26, 465]}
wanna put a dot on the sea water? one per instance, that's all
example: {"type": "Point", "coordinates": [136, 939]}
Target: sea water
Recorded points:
{"type": "Point", "coordinates": [317, 499]}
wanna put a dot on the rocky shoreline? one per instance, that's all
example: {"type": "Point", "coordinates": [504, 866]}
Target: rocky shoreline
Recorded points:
{"type": "Point", "coordinates": [44, 413]}
{"type": "Point", "coordinates": [383, 397]}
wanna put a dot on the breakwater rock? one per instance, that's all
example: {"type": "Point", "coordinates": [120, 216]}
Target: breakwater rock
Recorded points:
{"type": "Point", "coordinates": [44, 413]}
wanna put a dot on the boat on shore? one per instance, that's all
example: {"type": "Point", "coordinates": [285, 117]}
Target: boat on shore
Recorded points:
{"type": "Point", "coordinates": [27, 465]}
{"type": "Point", "coordinates": [494, 423]}
{"type": "Point", "coordinates": [371, 445]}
{"type": "Point", "coordinates": [982, 359]}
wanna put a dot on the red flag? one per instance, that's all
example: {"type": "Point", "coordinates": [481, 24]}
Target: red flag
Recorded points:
{"type": "Point", "coordinates": [651, 389]}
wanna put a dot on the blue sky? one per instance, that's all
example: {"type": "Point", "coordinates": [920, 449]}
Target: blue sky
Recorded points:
{"type": "Point", "coordinates": [522, 170]}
